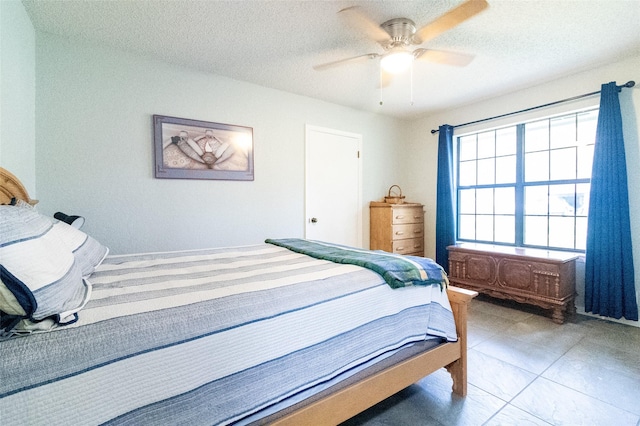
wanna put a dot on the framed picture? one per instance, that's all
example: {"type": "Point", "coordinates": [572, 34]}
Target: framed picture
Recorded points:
{"type": "Point", "coordinates": [191, 149]}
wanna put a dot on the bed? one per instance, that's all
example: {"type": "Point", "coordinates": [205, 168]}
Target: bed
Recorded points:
{"type": "Point", "coordinates": [285, 332]}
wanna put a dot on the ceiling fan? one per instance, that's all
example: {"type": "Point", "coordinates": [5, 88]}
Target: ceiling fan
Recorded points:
{"type": "Point", "coordinates": [398, 34]}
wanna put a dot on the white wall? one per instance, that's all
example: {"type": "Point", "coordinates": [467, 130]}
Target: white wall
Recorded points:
{"type": "Point", "coordinates": [421, 152]}
{"type": "Point", "coordinates": [17, 93]}
{"type": "Point", "coordinates": [95, 158]}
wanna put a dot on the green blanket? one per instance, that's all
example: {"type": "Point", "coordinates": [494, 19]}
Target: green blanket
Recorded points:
{"type": "Point", "coordinates": [397, 270]}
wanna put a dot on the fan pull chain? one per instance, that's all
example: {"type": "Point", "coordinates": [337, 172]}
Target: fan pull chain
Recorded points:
{"type": "Point", "coordinates": [411, 77]}
{"type": "Point", "coordinates": [380, 68]}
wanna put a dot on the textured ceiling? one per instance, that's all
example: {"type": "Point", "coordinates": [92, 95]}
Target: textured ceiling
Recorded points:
{"type": "Point", "coordinates": [516, 43]}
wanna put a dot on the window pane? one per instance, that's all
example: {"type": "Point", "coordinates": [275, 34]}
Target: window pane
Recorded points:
{"type": "Point", "coordinates": [467, 149]}
{"type": "Point", "coordinates": [562, 200]}
{"type": "Point", "coordinates": [506, 169]}
{"type": "Point", "coordinates": [505, 229]}
{"type": "Point", "coordinates": [561, 232]}
{"type": "Point", "coordinates": [506, 141]}
{"type": "Point", "coordinates": [535, 230]}
{"type": "Point", "coordinates": [467, 172]}
{"type": "Point", "coordinates": [467, 227]}
{"type": "Point", "coordinates": [536, 136]}
{"type": "Point", "coordinates": [484, 201]}
{"type": "Point", "coordinates": [563, 131]}
{"type": "Point", "coordinates": [486, 171]}
{"type": "Point", "coordinates": [563, 164]}
{"type": "Point", "coordinates": [536, 200]}
{"type": "Point", "coordinates": [585, 161]}
{"type": "Point", "coordinates": [484, 231]}
{"type": "Point", "coordinates": [582, 199]}
{"type": "Point", "coordinates": [581, 233]}
{"type": "Point", "coordinates": [467, 201]}
{"type": "Point", "coordinates": [587, 122]}
{"type": "Point", "coordinates": [536, 166]}
{"type": "Point", "coordinates": [486, 144]}
{"type": "Point", "coordinates": [505, 201]}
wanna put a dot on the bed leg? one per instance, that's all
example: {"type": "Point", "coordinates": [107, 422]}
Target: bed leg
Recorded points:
{"type": "Point", "coordinates": [460, 299]}
{"type": "Point", "coordinates": [458, 371]}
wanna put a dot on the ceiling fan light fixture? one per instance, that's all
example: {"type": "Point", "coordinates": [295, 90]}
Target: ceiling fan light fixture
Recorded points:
{"type": "Point", "coordinates": [396, 61]}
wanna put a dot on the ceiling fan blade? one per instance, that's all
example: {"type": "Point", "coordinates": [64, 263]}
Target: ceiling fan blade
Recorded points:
{"type": "Point", "coordinates": [443, 57]}
{"type": "Point", "coordinates": [454, 17]}
{"type": "Point", "coordinates": [355, 18]}
{"type": "Point", "coordinates": [327, 65]}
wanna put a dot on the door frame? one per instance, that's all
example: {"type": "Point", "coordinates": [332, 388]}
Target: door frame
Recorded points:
{"type": "Point", "coordinates": [308, 130]}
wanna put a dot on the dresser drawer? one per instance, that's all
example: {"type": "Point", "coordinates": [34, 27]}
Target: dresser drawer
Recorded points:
{"type": "Point", "coordinates": [413, 245]}
{"type": "Point", "coordinates": [397, 228]}
{"type": "Point", "coordinates": [412, 230]}
{"type": "Point", "coordinates": [402, 215]}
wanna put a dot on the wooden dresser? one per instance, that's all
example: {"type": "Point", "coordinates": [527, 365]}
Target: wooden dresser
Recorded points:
{"type": "Point", "coordinates": [539, 277]}
{"type": "Point", "coordinates": [397, 228]}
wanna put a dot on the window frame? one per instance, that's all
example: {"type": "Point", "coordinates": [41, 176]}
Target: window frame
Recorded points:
{"type": "Point", "coordinates": [520, 186]}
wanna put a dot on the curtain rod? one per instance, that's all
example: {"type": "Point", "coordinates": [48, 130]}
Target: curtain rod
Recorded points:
{"type": "Point", "coordinates": [627, 84]}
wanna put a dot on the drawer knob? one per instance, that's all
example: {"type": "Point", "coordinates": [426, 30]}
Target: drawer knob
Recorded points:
{"type": "Point", "coordinates": [399, 233]}
{"type": "Point", "coordinates": [400, 216]}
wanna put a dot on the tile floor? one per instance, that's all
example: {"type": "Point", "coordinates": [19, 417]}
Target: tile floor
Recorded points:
{"type": "Point", "coordinates": [526, 370]}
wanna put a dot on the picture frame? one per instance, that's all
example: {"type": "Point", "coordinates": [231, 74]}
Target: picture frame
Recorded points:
{"type": "Point", "coordinates": [194, 149]}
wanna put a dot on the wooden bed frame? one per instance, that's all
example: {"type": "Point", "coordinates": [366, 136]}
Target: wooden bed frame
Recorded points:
{"type": "Point", "coordinates": [357, 397]}
{"type": "Point", "coordinates": [11, 187]}
{"type": "Point", "coordinates": [346, 403]}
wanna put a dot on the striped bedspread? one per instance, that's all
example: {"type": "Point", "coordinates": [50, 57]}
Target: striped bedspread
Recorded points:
{"type": "Point", "coordinates": [210, 337]}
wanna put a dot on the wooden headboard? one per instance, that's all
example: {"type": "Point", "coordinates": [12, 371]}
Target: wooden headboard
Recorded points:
{"type": "Point", "coordinates": [11, 187]}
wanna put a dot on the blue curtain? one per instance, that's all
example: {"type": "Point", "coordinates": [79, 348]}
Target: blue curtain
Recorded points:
{"type": "Point", "coordinates": [445, 211]}
{"type": "Point", "coordinates": [609, 276]}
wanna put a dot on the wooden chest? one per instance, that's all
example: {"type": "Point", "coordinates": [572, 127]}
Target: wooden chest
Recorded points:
{"type": "Point", "coordinates": [397, 228]}
{"type": "Point", "coordinates": [538, 277]}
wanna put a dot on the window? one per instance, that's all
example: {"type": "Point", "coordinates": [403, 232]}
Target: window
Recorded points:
{"type": "Point", "coordinates": [527, 185]}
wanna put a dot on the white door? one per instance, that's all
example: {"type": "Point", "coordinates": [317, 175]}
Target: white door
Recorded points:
{"type": "Point", "coordinates": [333, 186]}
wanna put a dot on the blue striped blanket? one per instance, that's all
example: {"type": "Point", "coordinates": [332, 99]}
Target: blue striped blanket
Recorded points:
{"type": "Point", "coordinates": [397, 270]}
{"type": "Point", "coordinates": [218, 336]}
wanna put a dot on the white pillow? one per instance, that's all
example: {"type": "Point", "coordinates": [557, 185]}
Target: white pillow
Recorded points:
{"type": "Point", "coordinates": [40, 277]}
{"type": "Point", "coordinates": [88, 252]}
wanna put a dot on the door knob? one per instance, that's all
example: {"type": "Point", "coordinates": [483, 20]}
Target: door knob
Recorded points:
{"type": "Point", "coordinates": [314, 220]}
